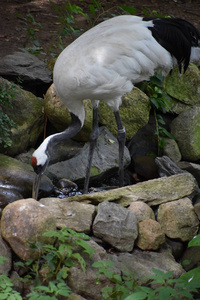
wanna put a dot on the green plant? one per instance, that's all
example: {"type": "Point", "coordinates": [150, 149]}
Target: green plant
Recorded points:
{"type": "Point", "coordinates": [51, 268]}
{"type": "Point", "coordinates": [32, 27]}
{"type": "Point", "coordinates": [6, 286]}
{"type": "Point", "coordinates": [124, 283]}
{"type": "Point", "coordinates": [160, 101]}
{"type": "Point", "coordinates": [7, 94]}
{"type": "Point", "coordinates": [160, 286]}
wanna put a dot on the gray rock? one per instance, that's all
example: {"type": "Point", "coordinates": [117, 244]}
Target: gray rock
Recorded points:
{"type": "Point", "coordinates": [141, 263]}
{"type": "Point", "coordinates": [171, 150]}
{"type": "Point", "coordinates": [105, 161]}
{"type": "Point", "coordinates": [116, 225]}
{"type": "Point", "coordinates": [74, 215]}
{"type": "Point", "coordinates": [192, 168]}
{"type": "Point", "coordinates": [34, 73]}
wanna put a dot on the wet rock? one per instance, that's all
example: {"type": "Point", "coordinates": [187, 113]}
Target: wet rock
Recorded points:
{"type": "Point", "coordinates": [116, 226]}
{"type": "Point", "coordinates": [8, 195]}
{"type": "Point", "coordinates": [74, 215]}
{"type": "Point", "coordinates": [16, 179]}
{"type": "Point", "coordinates": [185, 128]}
{"type": "Point", "coordinates": [178, 219]}
{"type": "Point", "coordinates": [105, 161]}
{"type": "Point", "coordinates": [142, 211]}
{"type": "Point", "coordinates": [150, 236]}
{"type": "Point", "coordinates": [33, 72]}
{"type": "Point", "coordinates": [25, 221]}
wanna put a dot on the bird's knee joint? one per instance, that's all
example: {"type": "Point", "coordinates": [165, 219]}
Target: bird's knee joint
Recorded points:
{"type": "Point", "coordinates": [121, 136]}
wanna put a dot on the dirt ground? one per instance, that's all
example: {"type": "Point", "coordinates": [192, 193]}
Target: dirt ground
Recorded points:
{"type": "Point", "coordinates": [22, 22]}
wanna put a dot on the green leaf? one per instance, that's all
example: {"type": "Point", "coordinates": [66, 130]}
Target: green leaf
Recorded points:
{"type": "Point", "coordinates": [137, 296]}
{"type": "Point", "coordinates": [129, 9]}
{"type": "Point", "coordinates": [195, 241]}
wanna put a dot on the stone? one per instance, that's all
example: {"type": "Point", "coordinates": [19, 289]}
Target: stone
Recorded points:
{"type": "Point", "coordinates": [59, 115]}
{"type": "Point", "coordinates": [25, 221]}
{"type": "Point", "coordinates": [134, 113]}
{"type": "Point", "coordinates": [84, 283]}
{"type": "Point", "coordinates": [142, 211]}
{"type": "Point", "coordinates": [144, 166]}
{"type": "Point", "coordinates": [178, 219]}
{"type": "Point", "coordinates": [190, 167]}
{"type": "Point", "coordinates": [16, 179]}
{"type": "Point", "coordinates": [104, 162]}
{"type": "Point", "coordinates": [153, 192]}
{"type": "Point", "coordinates": [142, 263]}
{"type": "Point", "coordinates": [150, 236]}
{"type": "Point", "coordinates": [74, 215]}
{"type": "Point", "coordinates": [26, 110]}
{"type": "Point", "coordinates": [186, 128]}
{"type": "Point", "coordinates": [34, 74]}
{"type": "Point", "coordinates": [5, 252]}
{"type": "Point", "coordinates": [171, 150]}
{"type": "Point", "coordinates": [184, 86]}
{"type": "Point", "coordinates": [116, 225]}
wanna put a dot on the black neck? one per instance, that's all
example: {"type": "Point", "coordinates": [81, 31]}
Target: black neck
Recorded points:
{"type": "Point", "coordinates": [71, 131]}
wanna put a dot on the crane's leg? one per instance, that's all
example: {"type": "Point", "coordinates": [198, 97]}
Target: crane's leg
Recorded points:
{"type": "Point", "coordinates": [121, 137]}
{"type": "Point", "coordinates": [93, 140]}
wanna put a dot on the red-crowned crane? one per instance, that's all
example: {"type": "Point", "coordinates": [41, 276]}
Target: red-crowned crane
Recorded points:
{"type": "Point", "coordinates": [104, 63]}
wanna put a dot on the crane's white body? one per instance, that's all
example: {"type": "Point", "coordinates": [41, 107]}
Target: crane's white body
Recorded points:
{"type": "Point", "coordinates": [105, 61]}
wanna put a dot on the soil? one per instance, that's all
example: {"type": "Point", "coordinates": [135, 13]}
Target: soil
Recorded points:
{"type": "Point", "coordinates": [38, 24]}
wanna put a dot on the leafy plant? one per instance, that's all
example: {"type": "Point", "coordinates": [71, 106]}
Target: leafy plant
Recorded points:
{"type": "Point", "coordinates": [7, 93]}
{"type": "Point", "coordinates": [160, 101]}
{"type": "Point", "coordinates": [32, 27]}
{"type": "Point", "coordinates": [52, 266]}
{"type": "Point", "coordinates": [124, 283]}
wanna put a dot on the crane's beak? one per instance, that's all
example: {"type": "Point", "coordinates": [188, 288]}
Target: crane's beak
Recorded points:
{"type": "Point", "coordinates": [36, 185]}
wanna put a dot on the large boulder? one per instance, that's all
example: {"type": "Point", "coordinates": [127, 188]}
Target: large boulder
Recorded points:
{"type": "Point", "coordinates": [16, 180]}
{"type": "Point", "coordinates": [105, 161]}
{"type": "Point", "coordinates": [25, 221]}
{"type": "Point", "coordinates": [185, 86]}
{"type": "Point", "coordinates": [134, 113]}
{"type": "Point", "coordinates": [26, 110]}
{"type": "Point", "coordinates": [178, 219]}
{"type": "Point", "coordinates": [34, 73]}
{"type": "Point", "coordinates": [186, 129]}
